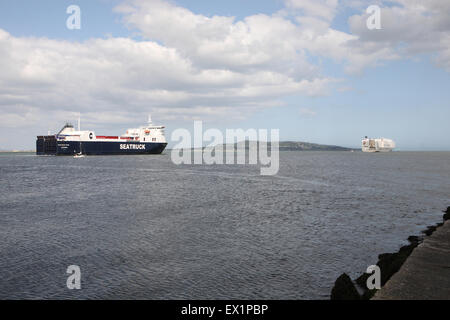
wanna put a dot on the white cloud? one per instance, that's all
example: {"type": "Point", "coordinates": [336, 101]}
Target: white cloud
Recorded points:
{"type": "Point", "coordinates": [122, 75]}
{"type": "Point", "coordinates": [280, 42]}
{"type": "Point", "coordinates": [408, 28]}
{"type": "Point", "coordinates": [259, 42]}
{"type": "Point", "coordinates": [306, 112]}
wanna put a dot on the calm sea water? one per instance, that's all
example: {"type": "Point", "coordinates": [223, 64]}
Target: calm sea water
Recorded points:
{"type": "Point", "coordinates": [142, 227]}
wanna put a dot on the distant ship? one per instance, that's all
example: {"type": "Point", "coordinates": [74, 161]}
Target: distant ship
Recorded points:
{"type": "Point", "coordinates": [148, 139]}
{"type": "Point", "coordinates": [377, 145]}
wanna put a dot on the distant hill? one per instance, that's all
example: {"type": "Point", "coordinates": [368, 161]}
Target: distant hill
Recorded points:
{"type": "Point", "coordinates": [307, 146]}
{"type": "Point", "coordinates": [300, 146]}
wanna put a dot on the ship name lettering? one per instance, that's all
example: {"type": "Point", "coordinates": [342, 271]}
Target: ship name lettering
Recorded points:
{"type": "Point", "coordinates": [132, 146]}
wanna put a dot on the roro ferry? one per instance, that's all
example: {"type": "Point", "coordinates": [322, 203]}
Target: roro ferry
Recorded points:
{"type": "Point", "coordinates": [148, 139]}
{"type": "Point", "coordinates": [377, 145]}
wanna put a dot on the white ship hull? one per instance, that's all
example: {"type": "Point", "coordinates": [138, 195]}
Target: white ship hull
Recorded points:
{"type": "Point", "coordinates": [377, 145]}
{"type": "Point", "coordinates": [377, 150]}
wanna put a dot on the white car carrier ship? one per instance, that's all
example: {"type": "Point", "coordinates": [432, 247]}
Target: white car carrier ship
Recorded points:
{"type": "Point", "coordinates": [377, 145]}
{"type": "Point", "coordinates": [147, 139]}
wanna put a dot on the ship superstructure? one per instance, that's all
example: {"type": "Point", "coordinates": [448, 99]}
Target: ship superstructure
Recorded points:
{"type": "Point", "coordinates": [147, 139]}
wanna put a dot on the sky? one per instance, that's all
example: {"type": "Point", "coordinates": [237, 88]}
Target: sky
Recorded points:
{"type": "Point", "coordinates": [310, 68]}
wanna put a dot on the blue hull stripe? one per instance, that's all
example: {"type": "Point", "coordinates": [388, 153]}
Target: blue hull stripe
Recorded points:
{"type": "Point", "coordinates": [104, 148]}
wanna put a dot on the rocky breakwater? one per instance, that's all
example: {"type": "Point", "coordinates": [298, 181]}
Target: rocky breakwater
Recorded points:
{"type": "Point", "coordinates": [389, 264]}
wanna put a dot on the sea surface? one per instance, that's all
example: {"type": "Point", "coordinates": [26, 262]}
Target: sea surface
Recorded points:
{"type": "Point", "coordinates": [141, 227]}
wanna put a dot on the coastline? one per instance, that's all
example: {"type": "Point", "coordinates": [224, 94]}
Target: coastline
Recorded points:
{"type": "Point", "coordinates": [390, 264]}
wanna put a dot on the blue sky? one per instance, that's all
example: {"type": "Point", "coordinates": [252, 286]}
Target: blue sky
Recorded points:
{"type": "Point", "coordinates": [388, 84]}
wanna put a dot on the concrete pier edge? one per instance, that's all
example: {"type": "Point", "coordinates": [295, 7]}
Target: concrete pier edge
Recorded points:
{"type": "Point", "coordinates": [420, 270]}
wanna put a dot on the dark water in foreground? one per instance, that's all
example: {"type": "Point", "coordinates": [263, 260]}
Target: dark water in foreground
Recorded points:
{"type": "Point", "coordinates": [142, 227]}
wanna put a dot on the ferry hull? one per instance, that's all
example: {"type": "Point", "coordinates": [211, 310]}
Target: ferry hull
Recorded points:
{"type": "Point", "coordinates": [69, 148]}
{"type": "Point", "coordinates": [376, 150]}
